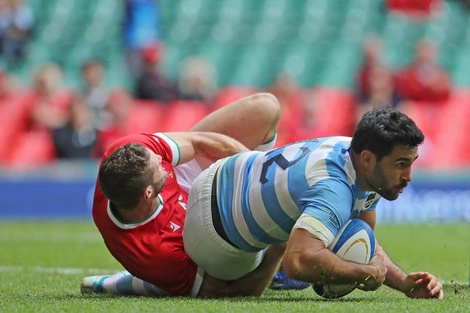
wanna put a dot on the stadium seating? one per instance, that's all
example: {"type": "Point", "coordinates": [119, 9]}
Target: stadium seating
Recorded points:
{"type": "Point", "coordinates": [452, 146]}
{"type": "Point", "coordinates": [13, 118]}
{"type": "Point", "coordinates": [182, 115]}
{"type": "Point", "coordinates": [146, 116]}
{"type": "Point", "coordinates": [31, 149]}
{"type": "Point", "coordinates": [334, 111]}
{"type": "Point", "coordinates": [229, 94]}
{"type": "Point", "coordinates": [250, 42]}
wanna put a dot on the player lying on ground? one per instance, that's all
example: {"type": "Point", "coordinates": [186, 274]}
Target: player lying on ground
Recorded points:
{"type": "Point", "coordinates": [141, 194]}
{"type": "Point", "coordinates": [302, 194]}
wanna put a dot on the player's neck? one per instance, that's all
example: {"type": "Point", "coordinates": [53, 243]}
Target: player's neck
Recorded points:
{"type": "Point", "coordinates": [140, 212]}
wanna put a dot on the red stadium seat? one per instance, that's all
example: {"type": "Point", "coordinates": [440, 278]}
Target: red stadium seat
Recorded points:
{"type": "Point", "coordinates": [425, 116]}
{"type": "Point", "coordinates": [451, 148]}
{"type": "Point", "coordinates": [182, 115]}
{"type": "Point", "coordinates": [229, 94]}
{"type": "Point", "coordinates": [32, 149]}
{"type": "Point", "coordinates": [334, 112]}
{"type": "Point", "coordinates": [13, 122]}
{"type": "Point", "coordinates": [146, 116]}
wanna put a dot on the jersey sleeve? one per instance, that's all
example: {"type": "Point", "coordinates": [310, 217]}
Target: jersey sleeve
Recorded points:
{"type": "Point", "coordinates": [159, 143]}
{"type": "Point", "coordinates": [330, 201]}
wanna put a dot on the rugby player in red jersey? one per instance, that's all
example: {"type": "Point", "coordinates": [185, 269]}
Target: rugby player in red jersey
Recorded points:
{"type": "Point", "coordinates": [141, 194]}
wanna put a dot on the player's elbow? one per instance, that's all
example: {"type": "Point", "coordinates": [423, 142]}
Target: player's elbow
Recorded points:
{"type": "Point", "coordinates": [301, 267]}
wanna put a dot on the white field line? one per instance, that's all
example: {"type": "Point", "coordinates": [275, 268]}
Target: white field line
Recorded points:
{"type": "Point", "coordinates": [59, 270]}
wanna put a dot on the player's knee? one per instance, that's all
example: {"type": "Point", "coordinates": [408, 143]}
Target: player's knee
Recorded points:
{"type": "Point", "coordinates": [268, 106]}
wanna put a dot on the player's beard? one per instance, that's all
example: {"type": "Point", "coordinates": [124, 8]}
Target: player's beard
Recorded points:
{"type": "Point", "coordinates": [158, 186]}
{"type": "Point", "coordinates": [378, 182]}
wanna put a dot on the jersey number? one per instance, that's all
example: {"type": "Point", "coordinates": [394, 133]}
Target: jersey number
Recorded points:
{"type": "Point", "coordinates": [282, 162]}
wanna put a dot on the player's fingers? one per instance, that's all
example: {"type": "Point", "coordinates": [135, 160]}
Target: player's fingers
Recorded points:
{"type": "Point", "coordinates": [432, 282]}
{"type": "Point", "coordinates": [434, 285]}
{"type": "Point", "coordinates": [440, 294]}
{"type": "Point", "coordinates": [419, 274]}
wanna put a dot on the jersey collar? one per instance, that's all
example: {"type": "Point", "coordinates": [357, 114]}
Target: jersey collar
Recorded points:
{"type": "Point", "coordinates": [131, 225]}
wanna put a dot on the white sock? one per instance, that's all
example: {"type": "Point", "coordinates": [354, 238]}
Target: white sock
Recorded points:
{"type": "Point", "coordinates": [268, 145]}
{"type": "Point", "coordinates": [123, 283]}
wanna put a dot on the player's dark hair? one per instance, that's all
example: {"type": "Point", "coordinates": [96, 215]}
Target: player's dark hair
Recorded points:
{"type": "Point", "coordinates": [381, 129]}
{"type": "Point", "coordinates": [125, 174]}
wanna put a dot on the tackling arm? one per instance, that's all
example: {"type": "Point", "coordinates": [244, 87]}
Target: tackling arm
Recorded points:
{"type": "Point", "coordinates": [208, 145]}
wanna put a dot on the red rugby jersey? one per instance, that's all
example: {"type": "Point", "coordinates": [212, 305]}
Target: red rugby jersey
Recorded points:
{"type": "Point", "coordinates": [152, 249]}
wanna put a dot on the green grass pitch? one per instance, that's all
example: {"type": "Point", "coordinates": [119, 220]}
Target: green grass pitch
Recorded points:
{"type": "Point", "coordinates": [41, 264]}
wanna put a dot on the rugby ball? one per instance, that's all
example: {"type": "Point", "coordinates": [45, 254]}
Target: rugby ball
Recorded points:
{"type": "Point", "coordinates": [355, 242]}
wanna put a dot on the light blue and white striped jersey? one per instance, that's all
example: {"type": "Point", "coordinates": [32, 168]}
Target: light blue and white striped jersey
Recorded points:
{"type": "Point", "coordinates": [265, 192]}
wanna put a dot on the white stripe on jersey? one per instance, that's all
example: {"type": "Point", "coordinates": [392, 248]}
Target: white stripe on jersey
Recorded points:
{"type": "Point", "coordinates": [317, 160]}
{"type": "Point", "coordinates": [261, 215]}
{"type": "Point", "coordinates": [237, 213]}
{"type": "Point", "coordinates": [282, 190]}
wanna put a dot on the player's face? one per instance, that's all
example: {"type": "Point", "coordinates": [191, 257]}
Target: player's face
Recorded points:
{"type": "Point", "coordinates": [393, 172]}
{"type": "Point", "coordinates": [159, 177]}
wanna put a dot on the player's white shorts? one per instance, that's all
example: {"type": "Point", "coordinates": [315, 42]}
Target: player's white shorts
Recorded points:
{"type": "Point", "coordinates": [201, 241]}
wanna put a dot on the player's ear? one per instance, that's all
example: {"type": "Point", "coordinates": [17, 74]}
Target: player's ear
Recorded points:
{"type": "Point", "coordinates": [148, 192]}
{"type": "Point", "coordinates": [367, 159]}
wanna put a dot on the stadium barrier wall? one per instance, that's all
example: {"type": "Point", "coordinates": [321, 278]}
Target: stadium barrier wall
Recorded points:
{"type": "Point", "coordinates": [66, 192]}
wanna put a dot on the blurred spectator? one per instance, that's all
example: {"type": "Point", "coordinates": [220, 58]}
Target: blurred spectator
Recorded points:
{"type": "Point", "coordinates": [7, 86]}
{"type": "Point", "coordinates": [4, 21]}
{"type": "Point", "coordinates": [424, 79]}
{"type": "Point", "coordinates": [416, 9]}
{"type": "Point", "coordinates": [77, 138]}
{"type": "Point", "coordinates": [198, 80]}
{"type": "Point", "coordinates": [372, 59]}
{"type": "Point", "coordinates": [465, 4]}
{"type": "Point", "coordinates": [48, 99]}
{"type": "Point", "coordinates": [382, 91]}
{"type": "Point", "coordinates": [375, 80]}
{"type": "Point", "coordinates": [297, 116]}
{"type": "Point", "coordinates": [142, 27]}
{"type": "Point", "coordinates": [425, 87]}
{"type": "Point", "coordinates": [16, 24]}
{"type": "Point", "coordinates": [153, 84]}
{"type": "Point", "coordinates": [95, 92]}
{"type": "Point", "coordinates": [119, 107]}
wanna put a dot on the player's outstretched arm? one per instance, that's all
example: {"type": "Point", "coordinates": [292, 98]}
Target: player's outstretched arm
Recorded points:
{"type": "Point", "coordinates": [212, 146]}
{"type": "Point", "coordinates": [423, 285]}
{"type": "Point", "coordinates": [414, 285]}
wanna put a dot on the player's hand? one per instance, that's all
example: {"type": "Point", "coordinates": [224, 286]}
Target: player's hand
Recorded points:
{"type": "Point", "coordinates": [422, 285]}
{"type": "Point", "coordinates": [378, 272]}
